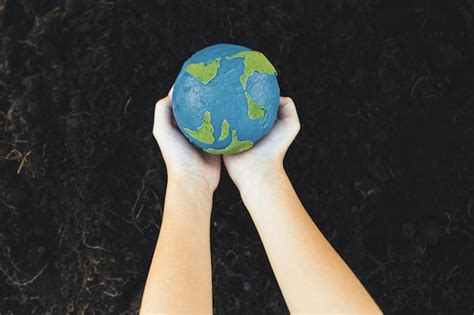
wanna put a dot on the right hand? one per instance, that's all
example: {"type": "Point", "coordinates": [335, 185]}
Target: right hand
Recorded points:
{"type": "Point", "coordinates": [184, 162]}
{"type": "Point", "coordinates": [266, 157]}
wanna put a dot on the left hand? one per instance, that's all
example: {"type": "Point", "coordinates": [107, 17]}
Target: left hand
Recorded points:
{"type": "Point", "coordinates": [265, 159]}
{"type": "Point", "coordinates": [184, 162]}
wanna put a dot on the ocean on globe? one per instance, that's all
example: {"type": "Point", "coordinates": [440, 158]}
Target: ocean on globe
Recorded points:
{"type": "Point", "coordinates": [226, 98]}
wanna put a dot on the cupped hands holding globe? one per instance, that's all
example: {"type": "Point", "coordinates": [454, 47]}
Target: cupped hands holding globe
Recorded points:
{"type": "Point", "coordinates": [226, 102]}
{"type": "Point", "coordinates": [184, 160]}
{"type": "Point", "coordinates": [266, 157]}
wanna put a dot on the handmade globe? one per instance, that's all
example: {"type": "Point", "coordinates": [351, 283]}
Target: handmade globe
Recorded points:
{"type": "Point", "coordinates": [226, 98]}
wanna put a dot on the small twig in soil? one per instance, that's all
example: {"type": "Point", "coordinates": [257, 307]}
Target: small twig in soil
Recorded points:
{"type": "Point", "coordinates": [19, 283]}
{"type": "Point", "coordinates": [85, 308]}
{"type": "Point", "coordinates": [135, 206]}
{"type": "Point", "coordinates": [8, 205]}
{"type": "Point", "coordinates": [146, 174]}
{"type": "Point", "coordinates": [16, 140]}
{"type": "Point", "coordinates": [414, 85]}
{"type": "Point", "coordinates": [111, 294]}
{"type": "Point", "coordinates": [126, 107]}
{"type": "Point", "coordinates": [14, 151]}
{"type": "Point", "coordinates": [23, 161]}
{"type": "Point", "coordinates": [17, 268]}
{"type": "Point", "coordinates": [97, 247]}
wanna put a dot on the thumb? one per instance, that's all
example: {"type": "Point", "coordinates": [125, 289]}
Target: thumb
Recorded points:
{"type": "Point", "coordinates": [288, 117]}
{"type": "Point", "coordinates": [162, 123]}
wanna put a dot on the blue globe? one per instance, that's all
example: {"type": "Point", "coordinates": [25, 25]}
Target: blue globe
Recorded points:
{"type": "Point", "coordinates": [226, 98]}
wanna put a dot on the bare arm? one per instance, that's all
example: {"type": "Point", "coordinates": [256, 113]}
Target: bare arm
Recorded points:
{"type": "Point", "coordinates": [310, 273]}
{"type": "Point", "coordinates": [179, 280]}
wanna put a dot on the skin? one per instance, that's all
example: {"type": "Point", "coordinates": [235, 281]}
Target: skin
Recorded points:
{"type": "Point", "coordinates": [179, 280]}
{"type": "Point", "coordinates": [312, 276]}
{"type": "Point", "coordinates": [202, 72]}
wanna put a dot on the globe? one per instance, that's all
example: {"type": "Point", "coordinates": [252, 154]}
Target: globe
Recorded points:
{"type": "Point", "coordinates": [226, 98]}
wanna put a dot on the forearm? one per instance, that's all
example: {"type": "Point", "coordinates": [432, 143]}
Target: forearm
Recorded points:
{"type": "Point", "coordinates": [311, 275]}
{"type": "Point", "coordinates": [180, 278]}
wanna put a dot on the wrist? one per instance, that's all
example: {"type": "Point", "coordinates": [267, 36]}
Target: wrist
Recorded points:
{"type": "Point", "coordinates": [251, 182]}
{"type": "Point", "coordinates": [268, 188]}
{"type": "Point", "coordinates": [196, 182]}
{"type": "Point", "coordinates": [189, 193]}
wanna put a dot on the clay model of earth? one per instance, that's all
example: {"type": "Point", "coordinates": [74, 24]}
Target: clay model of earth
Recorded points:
{"type": "Point", "coordinates": [226, 98]}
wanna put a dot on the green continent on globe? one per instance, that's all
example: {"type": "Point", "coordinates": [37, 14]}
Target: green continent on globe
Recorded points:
{"type": "Point", "coordinates": [254, 61]}
{"type": "Point", "coordinates": [202, 72]}
{"type": "Point", "coordinates": [205, 133]}
{"type": "Point", "coordinates": [224, 130]}
{"type": "Point", "coordinates": [235, 146]}
{"type": "Point", "coordinates": [255, 111]}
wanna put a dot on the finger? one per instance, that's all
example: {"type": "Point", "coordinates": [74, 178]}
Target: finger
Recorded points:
{"type": "Point", "coordinates": [170, 93]}
{"type": "Point", "coordinates": [287, 110]}
{"type": "Point", "coordinates": [163, 115]}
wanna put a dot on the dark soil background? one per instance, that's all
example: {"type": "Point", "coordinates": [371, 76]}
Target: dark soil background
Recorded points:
{"type": "Point", "coordinates": [383, 163]}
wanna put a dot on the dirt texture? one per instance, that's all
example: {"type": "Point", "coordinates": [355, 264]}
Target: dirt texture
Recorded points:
{"type": "Point", "coordinates": [383, 162]}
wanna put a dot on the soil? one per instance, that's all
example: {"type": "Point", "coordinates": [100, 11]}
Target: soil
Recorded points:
{"type": "Point", "coordinates": [383, 163]}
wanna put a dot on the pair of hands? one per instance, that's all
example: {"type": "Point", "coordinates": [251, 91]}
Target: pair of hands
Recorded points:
{"type": "Point", "coordinates": [186, 162]}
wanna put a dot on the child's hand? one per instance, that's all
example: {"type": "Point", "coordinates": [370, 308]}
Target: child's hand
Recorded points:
{"type": "Point", "coordinates": [184, 162]}
{"type": "Point", "coordinates": [266, 157]}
